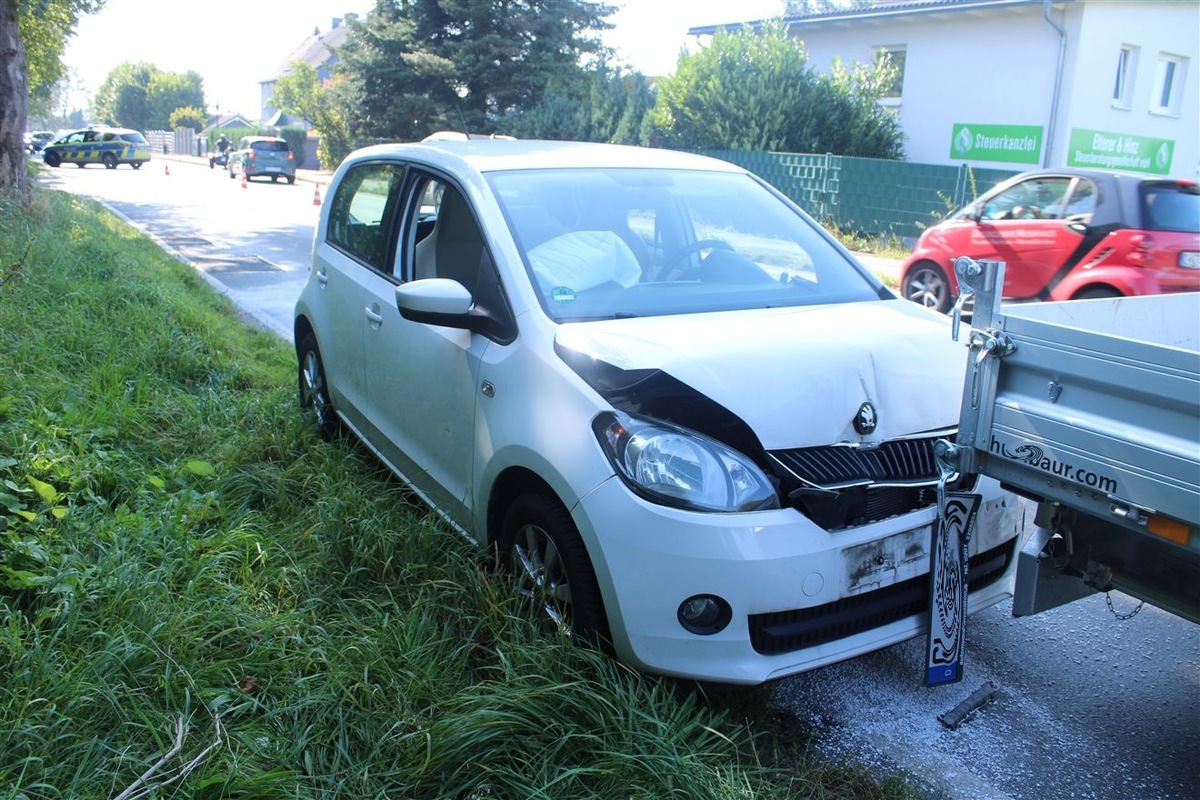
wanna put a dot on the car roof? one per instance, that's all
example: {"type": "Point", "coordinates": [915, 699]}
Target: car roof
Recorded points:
{"type": "Point", "coordinates": [495, 155]}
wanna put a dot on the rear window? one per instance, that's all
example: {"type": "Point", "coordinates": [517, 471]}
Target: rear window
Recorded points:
{"type": "Point", "coordinates": [1171, 207]}
{"type": "Point", "coordinates": [269, 147]}
{"type": "Point", "coordinates": [135, 138]}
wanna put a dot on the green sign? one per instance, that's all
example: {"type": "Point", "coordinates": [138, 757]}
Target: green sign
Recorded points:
{"type": "Point", "coordinates": [1020, 144]}
{"type": "Point", "coordinates": [1098, 149]}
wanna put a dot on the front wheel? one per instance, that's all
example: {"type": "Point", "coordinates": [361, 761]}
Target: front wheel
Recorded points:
{"type": "Point", "coordinates": [926, 283]}
{"type": "Point", "coordinates": [314, 389]}
{"type": "Point", "coordinates": [541, 547]}
{"type": "Point", "coordinates": [51, 159]}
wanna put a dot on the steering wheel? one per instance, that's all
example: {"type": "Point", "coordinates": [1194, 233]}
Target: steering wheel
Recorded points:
{"type": "Point", "coordinates": [670, 261]}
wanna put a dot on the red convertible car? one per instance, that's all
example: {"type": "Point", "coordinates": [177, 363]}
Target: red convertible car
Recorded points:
{"type": "Point", "coordinates": [1067, 234]}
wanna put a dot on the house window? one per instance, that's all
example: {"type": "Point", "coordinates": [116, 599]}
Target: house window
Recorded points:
{"type": "Point", "coordinates": [895, 54]}
{"type": "Point", "coordinates": [1123, 85]}
{"type": "Point", "coordinates": [1169, 75]}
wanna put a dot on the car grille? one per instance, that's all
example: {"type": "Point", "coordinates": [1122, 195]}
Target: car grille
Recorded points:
{"type": "Point", "coordinates": [902, 460]}
{"type": "Point", "coordinates": [788, 631]}
{"type": "Point", "coordinates": [841, 486]}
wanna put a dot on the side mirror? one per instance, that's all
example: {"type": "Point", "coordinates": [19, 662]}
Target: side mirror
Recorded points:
{"type": "Point", "coordinates": [445, 302]}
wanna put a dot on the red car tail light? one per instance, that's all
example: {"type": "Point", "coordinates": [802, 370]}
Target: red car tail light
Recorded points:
{"type": "Point", "coordinates": [1143, 249]}
{"type": "Point", "coordinates": [291, 157]}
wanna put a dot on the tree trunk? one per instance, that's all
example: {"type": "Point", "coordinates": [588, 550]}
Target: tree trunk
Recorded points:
{"type": "Point", "coordinates": [14, 95]}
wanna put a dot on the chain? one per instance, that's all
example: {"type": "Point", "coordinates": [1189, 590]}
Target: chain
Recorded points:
{"type": "Point", "coordinates": [1119, 615]}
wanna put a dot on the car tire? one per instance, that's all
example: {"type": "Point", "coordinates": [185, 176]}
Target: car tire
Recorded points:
{"type": "Point", "coordinates": [1096, 293]}
{"type": "Point", "coordinates": [925, 283]}
{"type": "Point", "coordinates": [136, 165]}
{"type": "Point", "coordinates": [51, 159]}
{"type": "Point", "coordinates": [110, 161]}
{"type": "Point", "coordinates": [540, 547]}
{"type": "Point", "coordinates": [291, 179]}
{"type": "Point", "coordinates": [231, 175]}
{"type": "Point", "coordinates": [314, 389]}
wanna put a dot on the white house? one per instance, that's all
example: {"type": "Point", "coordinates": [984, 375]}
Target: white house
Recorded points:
{"type": "Point", "coordinates": [1025, 83]}
{"type": "Point", "coordinates": [319, 51]}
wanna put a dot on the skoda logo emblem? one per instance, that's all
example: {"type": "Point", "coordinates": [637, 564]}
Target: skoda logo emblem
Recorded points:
{"type": "Point", "coordinates": [865, 420]}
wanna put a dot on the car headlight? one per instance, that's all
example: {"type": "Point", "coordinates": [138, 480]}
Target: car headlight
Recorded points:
{"type": "Point", "coordinates": [677, 467]}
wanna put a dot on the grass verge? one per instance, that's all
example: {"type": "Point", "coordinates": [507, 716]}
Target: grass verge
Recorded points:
{"type": "Point", "coordinates": [200, 598]}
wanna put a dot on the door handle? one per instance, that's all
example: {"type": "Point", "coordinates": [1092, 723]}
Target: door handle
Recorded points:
{"type": "Point", "coordinates": [374, 316]}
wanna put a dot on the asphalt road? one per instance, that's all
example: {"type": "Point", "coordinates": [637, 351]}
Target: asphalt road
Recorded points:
{"type": "Point", "coordinates": [1086, 706]}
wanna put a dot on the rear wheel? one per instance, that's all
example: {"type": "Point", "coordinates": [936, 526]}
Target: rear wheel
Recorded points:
{"type": "Point", "coordinates": [314, 390]}
{"type": "Point", "coordinates": [291, 179]}
{"type": "Point", "coordinates": [110, 161]}
{"type": "Point", "coordinates": [541, 547]}
{"type": "Point", "coordinates": [1096, 293]}
{"type": "Point", "coordinates": [925, 283]}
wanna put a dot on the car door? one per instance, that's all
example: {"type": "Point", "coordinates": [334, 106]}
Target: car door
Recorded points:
{"type": "Point", "coordinates": [347, 262]}
{"type": "Point", "coordinates": [424, 379]}
{"type": "Point", "coordinates": [1023, 226]}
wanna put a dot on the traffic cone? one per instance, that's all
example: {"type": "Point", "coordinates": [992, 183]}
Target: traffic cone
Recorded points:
{"type": "Point", "coordinates": [244, 178]}
{"type": "Point", "coordinates": [317, 195]}
{"type": "Point", "coordinates": [166, 169]}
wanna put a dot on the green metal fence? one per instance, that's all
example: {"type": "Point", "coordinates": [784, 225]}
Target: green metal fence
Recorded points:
{"type": "Point", "coordinates": [869, 195]}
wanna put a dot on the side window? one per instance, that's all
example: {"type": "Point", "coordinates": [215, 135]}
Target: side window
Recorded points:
{"type": "Point", "coordinates": [1039, 198]}
{"type": "Point", "coordinates": [1082, 201]}
{"type": "Point", "coordinates": [442, 235]}
{"type": "Point", "coordinates": [361, 214]}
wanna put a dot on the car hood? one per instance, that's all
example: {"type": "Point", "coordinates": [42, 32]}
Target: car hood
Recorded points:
{"type": "Point", "coordinates": [799, 376]}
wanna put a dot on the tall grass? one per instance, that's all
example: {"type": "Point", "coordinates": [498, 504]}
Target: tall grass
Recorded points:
{"type": "Point", "coordinates": [199, 598]}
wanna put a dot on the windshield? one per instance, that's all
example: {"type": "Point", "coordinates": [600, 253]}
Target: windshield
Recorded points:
{"type": "Point", "coordinates": [606, 243]}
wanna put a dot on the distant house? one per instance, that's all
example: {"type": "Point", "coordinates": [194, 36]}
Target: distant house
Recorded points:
{"type": "Point", "coordinates": [1018, 84]}
{"type": "Point", "coordinates": [227, 121]}
{"type": "Point", "coordinates": [318, 51]}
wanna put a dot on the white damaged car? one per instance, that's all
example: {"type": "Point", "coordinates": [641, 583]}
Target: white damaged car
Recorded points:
{"type": "Point", "coordinates": [654, 388]}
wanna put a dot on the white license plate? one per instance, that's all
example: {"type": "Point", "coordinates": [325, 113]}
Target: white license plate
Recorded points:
{"type": "Point", "coordinates": [946, 643]}
{"type": "Point", "coordinates": [1189, 259]}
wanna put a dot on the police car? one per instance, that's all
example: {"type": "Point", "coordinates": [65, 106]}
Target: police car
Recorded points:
{"type": "Point", "coordinates": [98, 145]}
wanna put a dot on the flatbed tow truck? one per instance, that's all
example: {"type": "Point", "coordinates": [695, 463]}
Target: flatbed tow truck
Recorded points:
{"type": "Point", "coordinates": [1091, 409]}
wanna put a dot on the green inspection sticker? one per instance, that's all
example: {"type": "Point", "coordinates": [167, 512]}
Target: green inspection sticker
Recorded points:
{"type": "Point", "coordinates": [562, 294]}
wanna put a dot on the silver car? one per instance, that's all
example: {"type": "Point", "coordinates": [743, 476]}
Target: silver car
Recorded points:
{"type": "Point", "coordinates": [654, 388]}
{"type": "Point", "coordinates": [263, 156]}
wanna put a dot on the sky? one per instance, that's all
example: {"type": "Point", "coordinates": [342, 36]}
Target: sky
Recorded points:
{"type": "Point", "coordinates": [206, 38]}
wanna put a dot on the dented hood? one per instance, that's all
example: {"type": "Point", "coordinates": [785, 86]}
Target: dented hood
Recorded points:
{"type": "Point", "coordinates": [798, 376]}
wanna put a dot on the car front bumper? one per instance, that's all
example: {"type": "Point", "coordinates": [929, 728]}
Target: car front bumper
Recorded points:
{"type": "Point", "coordinates": [845, 593]}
